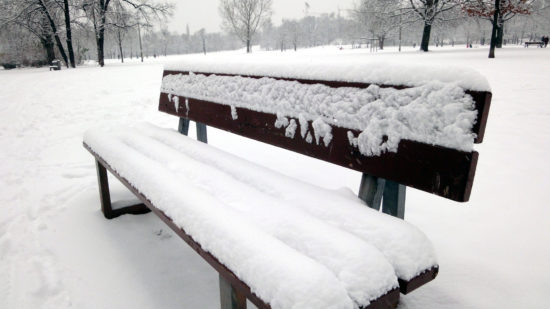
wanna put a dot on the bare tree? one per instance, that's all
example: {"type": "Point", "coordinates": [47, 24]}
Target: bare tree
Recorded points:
{"type": "Point", "coordinates": [381, 17]}
{"type": "Point", "coordinates": [429, 11]}
{"type": "Point", "coordinates": [37, 16]}
{"type": "Point", "coordinates": [292, 30]}
{"type": "Point", "coordinates": [100, 11]}
{"type": "Point", "coordinates": [498, 12]}
{"type": "Point", "coordinates": [68, 32]}
{"type": "Point", "coordinates": [244, 17]}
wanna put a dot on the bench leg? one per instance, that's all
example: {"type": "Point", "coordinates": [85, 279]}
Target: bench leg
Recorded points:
{"type": "Point", "coordinates": [183, 126]}
{"type": "Point", "coordinates": [105, 197]}
{"type": "Point", "coordinates": [229, 297]}
{"type": "Point", "coordinates": [394, 199]}
{"type": "Point", "coordinates": [375, 191]}
{"type": "Point", "coordinates": [201, 133]}
{"type": "Point", "coordinates": [371, 190]}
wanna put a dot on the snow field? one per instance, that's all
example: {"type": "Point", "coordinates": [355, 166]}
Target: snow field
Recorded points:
{"type": "Point", "coordinates": [492, 251]}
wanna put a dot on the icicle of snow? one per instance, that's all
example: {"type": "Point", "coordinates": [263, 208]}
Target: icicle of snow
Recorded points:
{"type": "Point", "coordinates": [309, 138]}
{"type": "Point", "coordinates": [234, 112]}
{"type": "Point", "coordinates": [176, 103]}
{"type": "Point", "coordinates": [304, 125]}
{"type": "Point", "coordinates": [281, 121]}
{"type": "Point", "coordinates": [321, 129]}
{"type": "Point", "coordinates": [187, 107]}
{"type": "Point", "coordinates": [291, 129]}
{"type": "Point", "coordinates": [352, 139]}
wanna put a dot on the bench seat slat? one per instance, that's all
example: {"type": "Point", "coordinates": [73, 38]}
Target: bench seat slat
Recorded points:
{"type": "Point", "coordinates": [340, 216]}
{"type": "Point", "coordinates": [446, 172]}
{"type": "Point", "coordinates": [207, 256]}
{"type": "Point", "coordinates": [390, 235]}
{"type": "Point", "coordinates": [302, 231]}
{"type": "Point", "coordinates": [342, 253]}
{"type": "Point", "coordinates": [386, 301]}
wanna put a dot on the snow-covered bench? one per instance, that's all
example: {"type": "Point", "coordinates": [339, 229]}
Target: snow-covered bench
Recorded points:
{"type": "Point", "coordinates": [56, 65]}
{"type": "Point", "coordinates": [277, 241]}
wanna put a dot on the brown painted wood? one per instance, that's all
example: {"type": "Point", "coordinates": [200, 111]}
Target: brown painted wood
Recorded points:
{"type": "Point", "coordinates": [446, 172]}
{"type": "Point", "coordinates": [389, 300]}
{"type": "Point", "coordinates": [105, 198]}
{"type": "Point", "coordinates": [137, 209]}
{"type": "Point", "coordinates": [104, 194]}
{"type": "Point", "coordinates": [408, 286]}
{"type": "Point", "coordinates": [386, 301]}
{"type": "Point", "coordinates": [229, 297]}
{"type": "Point", "coordinates": [213, 261]}
{"type": "Point", "coordinates": [482, 99]}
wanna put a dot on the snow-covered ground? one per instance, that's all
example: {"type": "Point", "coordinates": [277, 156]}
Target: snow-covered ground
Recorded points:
{"type": "Point", "coordinates": [57, 250]}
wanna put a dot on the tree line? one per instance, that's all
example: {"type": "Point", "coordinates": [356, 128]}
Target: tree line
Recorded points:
{"type": "Point", "coordinates": [50, 22]}
{"type": "Point", "coordinates": [38, 31]}
{"type": "Point", "coordinates": [414, 22]}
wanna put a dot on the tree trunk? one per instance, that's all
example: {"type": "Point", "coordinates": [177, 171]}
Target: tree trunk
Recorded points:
{"type": "Point", "coordinates": [426, 36]}
{"type": "Point", "coordinates": [248, 50]}
{"type": "Point", "coordinates": [54, 31]}
{"type": "Point", "coordinates": [100, 33]}
{"type": "Point", "coordinates": [119, 37]}
{"type": "Point", "coordinates": [140, 46]}
{"type": "Point", "coordinates": [48, 45]}
{"type": "Point", "coordinates": [494, 32]}
{"type": "Point", "coordinates": [381, 42]}
{"type": "Point", "coordinates": [100, 40]}
{"type": "Point", "coordinates": [69, 34]}
{"type": "Point", "coordinates": [500, 33]}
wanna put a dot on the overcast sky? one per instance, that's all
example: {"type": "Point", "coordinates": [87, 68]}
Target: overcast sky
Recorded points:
{"type": "Point", "coordinates": [204, 13]}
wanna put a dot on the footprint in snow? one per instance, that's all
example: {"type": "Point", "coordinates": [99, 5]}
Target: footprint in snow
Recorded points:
{"type": "Point", "coordinates": [162, 234]}
{"type": "Point", "coordinates": [76, 174]}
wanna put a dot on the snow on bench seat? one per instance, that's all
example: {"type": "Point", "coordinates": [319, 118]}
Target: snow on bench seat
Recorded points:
{"type": "Point", "coordinates": [294, 244]}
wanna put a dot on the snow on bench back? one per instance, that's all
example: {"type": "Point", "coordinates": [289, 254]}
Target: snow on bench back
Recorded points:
{"type": "Point", "coordinates": [374, 106]}
{"type": "Point", "coordinates": [334, 69]}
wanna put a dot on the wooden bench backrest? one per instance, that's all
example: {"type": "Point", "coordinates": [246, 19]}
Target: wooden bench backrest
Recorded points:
{"type": "Point", "coordinates": [442, 171]}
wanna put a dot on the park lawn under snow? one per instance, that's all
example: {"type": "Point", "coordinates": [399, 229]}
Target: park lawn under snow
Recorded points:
{"type": "Point", "coordinates": [57, 250]}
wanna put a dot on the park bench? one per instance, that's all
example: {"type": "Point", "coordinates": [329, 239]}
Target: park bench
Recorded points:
{"type": "Point", "coordinates": [540, 44]}
{"type": "Point", "coordinates": [56, 65]}
{"type": "Point", "coordinates": [275, 240]}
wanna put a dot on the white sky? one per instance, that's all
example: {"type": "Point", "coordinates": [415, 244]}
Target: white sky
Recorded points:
{"type": "Point", "coordinates": [204, 13]}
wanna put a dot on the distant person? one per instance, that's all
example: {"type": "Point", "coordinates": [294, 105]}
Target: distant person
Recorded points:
{"type": "Point", "coordinates": [545, 41]}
